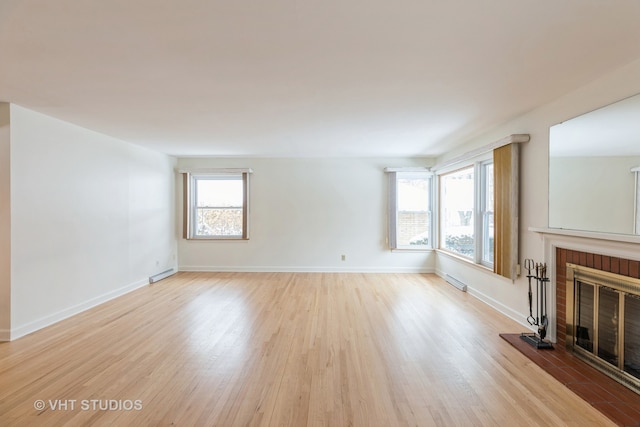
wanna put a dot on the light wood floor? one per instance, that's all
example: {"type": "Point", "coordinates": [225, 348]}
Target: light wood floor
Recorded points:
{"type": "Point", "coordinates": [284, 349]}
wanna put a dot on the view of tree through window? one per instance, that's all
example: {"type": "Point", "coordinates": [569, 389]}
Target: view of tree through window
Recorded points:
{"type": "Point", "coordinates": [219, 206]}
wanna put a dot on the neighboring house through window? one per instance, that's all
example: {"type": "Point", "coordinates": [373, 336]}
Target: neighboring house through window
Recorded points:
{"type": "Point", "coordinates": [410, 201]}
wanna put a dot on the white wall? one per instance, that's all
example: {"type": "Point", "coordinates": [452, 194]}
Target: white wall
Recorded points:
{"type": "Point", "coordinates": [305, 214]}
{"type": "Point", "coordinates": [5, 224]}
{"type": "Point", "coordinates": [92, 217]}
{"type": "Point", "coordinates": [592, 193]}
{"type": "Point", "coordinates": [508, 297]}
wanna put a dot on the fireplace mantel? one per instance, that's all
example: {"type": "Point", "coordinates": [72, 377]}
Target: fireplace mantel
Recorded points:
{"type": "Point", "coordinates": [612, 245]}
{"type": "Point", "coordinates": [623, 238]}
{"type": "Point", "coordinates": [618, 245]}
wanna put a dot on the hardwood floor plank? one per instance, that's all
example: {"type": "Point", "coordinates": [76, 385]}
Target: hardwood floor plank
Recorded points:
{"type": "Point", "coordinates": [290, 349]}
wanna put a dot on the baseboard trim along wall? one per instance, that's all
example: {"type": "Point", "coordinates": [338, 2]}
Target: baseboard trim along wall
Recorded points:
{"type": "Point", "coordinates": [496, 305]}
{"type": "Point", "coordinates": [49, 320]}
{"type": "Point", "coordinates": [283, 269]}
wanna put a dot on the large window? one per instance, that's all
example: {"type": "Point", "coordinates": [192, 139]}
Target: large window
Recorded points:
{"type": "Point", "coordinates": [466, 212]}
{"type": "Point", "coordinates": [217, 205]}
{"type": "Point", "coordinates": [410, 210]}
{"type": "Point", "coordinates": [457, 202]}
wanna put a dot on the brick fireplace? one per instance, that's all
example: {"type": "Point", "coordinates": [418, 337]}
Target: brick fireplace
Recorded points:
{"type": "Point", "coordinates": [560, 247]}
{"type": "Point", "coordinates": [616, 265]}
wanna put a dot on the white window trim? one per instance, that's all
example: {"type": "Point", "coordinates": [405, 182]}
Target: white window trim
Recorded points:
{"type": "Point", "coordinates": [480, 212]}
{"type": "Point", "coordinates": [636, 195]}
{"type": "Point", "coordinates": [189, 213]}
{"type": "Point", "coordinates": [479, 182]}
{"type": "Point", "coordinates": [422, 172]}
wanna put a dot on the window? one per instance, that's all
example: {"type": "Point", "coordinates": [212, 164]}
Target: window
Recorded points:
{"type": "Point", "coordinates": [456, 212]}
{"type": "Point", "coordinates": [216, 205]}
{"type": "Point", "coordinates": [478, 204]}
{"type": "Point", "coordinates": [486, 213]}
{"type": "Point", "coordinates": [410, 210]}
{"type": "Point", "coordinates": [466, 212]}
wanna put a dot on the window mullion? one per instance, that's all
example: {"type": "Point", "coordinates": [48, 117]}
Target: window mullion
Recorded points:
{"type": "Point", "coordinates": [194, 204]}
{"type": "Point", "coordinates": [478, 220]}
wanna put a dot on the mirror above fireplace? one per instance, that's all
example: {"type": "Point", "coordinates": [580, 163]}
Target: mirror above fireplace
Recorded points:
{"type": "Point", "coordinates": [592, 182]}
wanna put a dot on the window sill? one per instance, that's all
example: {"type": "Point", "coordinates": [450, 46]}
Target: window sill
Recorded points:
{"type": "Point", "coordinates": [412, 250]}
{"type": "Point", "coordinates": [215, 239]}
{"type": "Point", "coordinates": [465, 260]}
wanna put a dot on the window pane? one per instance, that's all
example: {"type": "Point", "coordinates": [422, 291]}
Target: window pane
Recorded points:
{"type": "Point", "coordinates": [457, 201]}
{"type": "Point", "coordinates": [488, 187]}
{"type": "Point", "coordinates": [219, 206]}
{"type": "Point", "coordinates": [219, 222]}
{"type": "Point", "coordinates": [219, 192]}
{"type": "Point", "coordinates": [487, 241]}
{"type": "Point", "coordinates": [413, 213]}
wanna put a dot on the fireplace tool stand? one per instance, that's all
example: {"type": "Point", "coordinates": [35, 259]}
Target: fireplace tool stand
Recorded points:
{"type": "Point", "coordinates": [541, 320]}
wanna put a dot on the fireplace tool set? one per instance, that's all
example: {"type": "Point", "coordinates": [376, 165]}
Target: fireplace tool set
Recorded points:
{"type": "Point", "coordinates": [541, 320]}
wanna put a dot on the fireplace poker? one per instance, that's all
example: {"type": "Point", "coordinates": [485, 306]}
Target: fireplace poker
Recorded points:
{"type": "Point", "coordinates": [529, 265]}
{"type": "Point", "coordinates": [538, 296]}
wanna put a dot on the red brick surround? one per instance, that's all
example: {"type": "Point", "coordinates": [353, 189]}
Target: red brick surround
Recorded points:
{"type": "Point", "coordinates": [615, 265]}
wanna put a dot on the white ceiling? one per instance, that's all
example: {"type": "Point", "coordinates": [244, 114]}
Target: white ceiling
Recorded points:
{"type": "Point", "coordinates": [305, 77]}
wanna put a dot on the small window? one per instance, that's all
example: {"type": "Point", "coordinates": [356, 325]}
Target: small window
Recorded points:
{"type": "Point", "coordinates": [410, 210]}
{"type": "Point", "coordinates": [216, 205]}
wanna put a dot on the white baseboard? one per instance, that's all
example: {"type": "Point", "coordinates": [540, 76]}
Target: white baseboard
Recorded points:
{"type": "Point", "coordinates": [496, 305]}
{"type": "Point", "coordinates": [282, 269]}
{"type": "Point", "coordinates": [49, 320]}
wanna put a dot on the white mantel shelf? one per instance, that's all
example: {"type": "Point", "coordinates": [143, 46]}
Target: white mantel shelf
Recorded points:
{"type": "Point", "coordinates": [610, 237]}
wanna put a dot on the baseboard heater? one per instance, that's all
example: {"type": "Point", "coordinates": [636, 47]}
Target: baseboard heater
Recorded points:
{"type": "Point", "coordinates": [157, 277]}
{"type": "Point", "coordinates": [455, 282]}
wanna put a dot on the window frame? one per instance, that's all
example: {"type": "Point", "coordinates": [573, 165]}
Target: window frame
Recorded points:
{"type": "Point", "coordinates": [190, 211]}
{"type": "Point", "coordinates": [480, 233]}
{"type": "Point", "coordinates": [636, 196]}
{"type": "Point", "coordinates": [483, 244]}
{"type": "Point", "coordinates": [396, 174]}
